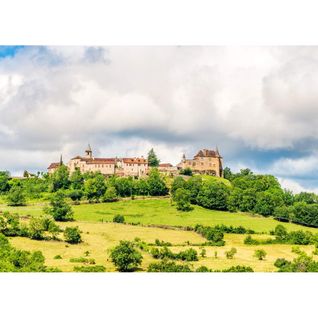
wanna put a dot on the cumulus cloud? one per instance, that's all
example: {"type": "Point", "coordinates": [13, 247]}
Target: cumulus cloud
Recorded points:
{"type": "Point", "coordinates": [175, 99]}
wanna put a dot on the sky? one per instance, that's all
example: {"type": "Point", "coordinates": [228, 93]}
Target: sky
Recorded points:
{"type": "Point", "coordinates": [258, 105]}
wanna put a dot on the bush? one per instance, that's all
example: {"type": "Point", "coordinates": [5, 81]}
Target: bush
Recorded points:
{"type": "Point", "coordinates": [186, 172]}
{"type": "Point", "coordinates": [125, 257]}
{"type": "Point", "coordinates": [260, 254]}
{"type": "Point", "coordinates": [89, 269]}
{"type": "Point", "coordinates": [72, 235]}
{"type": "Point", "coordinates": [119, 218]}
{"type": "Point", "coordinates": [203, 269]}
{"type": "Point", "coordinates": [16, 196]}
{"type": "Point", "coordinates": [57, 257]}
{"type": "Point", "coordinates": [59, 209]}
{"type": "Point", "coordinates": [10, 224]}
{"type": "Point", "coordinates": [188, 255]}
{"type": "Point", "coordinates": [83, 260]}
{"type": "Point", "coordinates": [239, 269]}
{"type": "Point", "coordinates": [182, 199]}
{"type": "Point", "coordinates": [213, 235]}
{"type": "Point", "coordinates": [230, 254]}
{"type": "Point", "coordinates": [110, 195]}
{"type": "Point", "coordinates": [166, 266]}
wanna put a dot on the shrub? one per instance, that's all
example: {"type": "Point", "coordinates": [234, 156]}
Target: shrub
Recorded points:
{"type": "Point", "coordinates": [119, 218]}
{"type": "Point", "coordinates": [110, 195]}
{"type": "Point", "coordinates": [166, 266]}
{"type": "Point", "coordinates": [82, 260]}
{"type": "Point", "coordinates": [250, 241]}
{"type": "Point", "coordinates": [72, 235]}
{"type": "Point", "coordinates": [260, 254]}
{"type": "Point", "coordinates": [203, 253]}
{"type": "Point", "coordinates": [188, 255]}
{"type": "Point", "coordinates": [125, 257]}
{"type": "Point", "coordinates": [89, 269]}
{"type": "Point", "coordinates": [186, 172]}
{"type": "Point", "coordinates": [182, 199]}
{"type": "Point", "coordinates": [203, 269]}
{"type": "Point", "coordinates": [162, 243]}
{"type": "Point", "coordinates": [16, 196]}
{"type": "Point", "coordinates": [36, 228]}
{"type": "Point", "coordinates": [59, 209]}
{"type": "Point", "coordinates": [212, 234]}
{"type": "Point", "coordinates": [230, 254]}
{"type": "Point", "coordinates": [57, 257]}
{"type": "Point", "coordinates": [238, 269]}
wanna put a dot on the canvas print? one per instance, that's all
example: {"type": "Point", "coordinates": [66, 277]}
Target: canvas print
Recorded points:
{"type": "Point", "coordinates": [158, 159]}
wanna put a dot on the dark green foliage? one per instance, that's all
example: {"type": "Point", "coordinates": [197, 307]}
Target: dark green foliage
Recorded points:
{"type": "Point", "coordinates": [307, 197]}
{"type": "Point", "coordinates": [194, 185]}
{"type": "Point", "coordinates": [177, 183]}
{"type": "Point", "coordinates": [59, 209]}
{"type": "Point", "coordinates": [227, 173]}
{"type": "Point", "coordinates": [72, 235]}
{"type": "Point", "coordinates": [75, 195]}
{"type": "Point", "coordinates": [213, 195]}
{"type": "Point", "coordinates": [14, 260]}
{"type": "Point", "coordinates": [125, 257]}
{"type": "Point", "coordinates": [203, 269]}
{"type": "Point", "coordinates": [119, 218]}
{"type": "Point", "coordinates": [94, 187]}
{"type": "Point", "coordinates": [156, 184]}
{"type": "Point", "coordinates": [162, 253]}
{"type": "Point", "coordinates": [165, 253]}
{"type": "Point", "coordinates": [153, 160]}
{"type": "Point", "coordinates": [306, 214]}
{"type": "Point", "coordinates": [283, 213]}
{"type": "Point", "coordinates": [267, 201]}
{"type": "Point", "coordinates": [110, 195]}
{"type": "Point", "coordinates": [238, 269]}
{"type": "Point", "coordinates": [57, 257]}
{"type": "Point", "coordinates": [186, 172]}
{"type": "Point", "coordinates": [182, 199]}
{"type": "Point", "coordinates": [168, 266]}
{"type": "Point", "coordinates": [60, 179]}
{"type": "Point", "coordinates": [141, 187]}
{"type": "Point", "coordinates": [124, 186]}
{"type": "Point", "coordinates": [303, 263]}
{"type": "Point", "coordinates": [188, 255]}
{"type": "Point", "coordinates": [85, 260]}
{"type": "Point", "coordinates": [250, 241]}
{"type": "Point", "coordinates": [10, 224]}
{"type": "Point", "coordinates": [89, 269]}
{"type": "Point", "coordinates": [16, 196]}
{"type": "Point", "coordinates": [233, 230]}
{"type": "Point", "coordinates": [230, 254]}
{"type": "Point", "coordinates": [36, 228]}
{"type": "Point", "coordinates": [162, 243]}
{"type": "Point", "coordinates": [77, 180]}
{"type": "Point", "coordinates": [212, 234]}
{"type": "Point", "coordinates": [260, 254]}
{"type": "Point", "coordinates": [281, 233]}
{"type": "Point", "coordinates": [4, 181]}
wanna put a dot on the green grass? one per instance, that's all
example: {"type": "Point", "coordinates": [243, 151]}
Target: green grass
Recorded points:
{"type": "Point", "coordinates": [160, 212]}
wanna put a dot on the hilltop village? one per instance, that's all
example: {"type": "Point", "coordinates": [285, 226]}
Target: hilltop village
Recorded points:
{"type": "Point", "coordinates": [205, 161]}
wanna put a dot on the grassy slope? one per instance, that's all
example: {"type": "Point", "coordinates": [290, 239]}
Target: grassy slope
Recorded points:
{"type": "Point", "coordinates": [159, 211]}
{"type": "Point", "coordinates": [99, 238]}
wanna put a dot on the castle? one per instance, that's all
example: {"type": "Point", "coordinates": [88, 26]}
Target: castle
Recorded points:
{"type": "Point", "coordinates": [204, 162]}
{"type": "Point", "coordinates": [135, 167]}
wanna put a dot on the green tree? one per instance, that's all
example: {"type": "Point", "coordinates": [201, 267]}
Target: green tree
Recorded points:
{"type": "Point", "coordinates": [125, 257]}
{"type": "Point", "coordinates": [110, 195]}
{"type": "Point", "coordinates": [118, 218]}
{"type": "Point", "coordinates": [36, 228]}
{"type": "Point", "coordinates": [182, 199]}
{"type": "Point", "coordinates": [95, 187]}
{"type": "Point", "coordinates": [260, 254]}
{"type": "Point", "coordinates": [186, 172]}
{"type": "Point", "coordinates": [194, 185]}
{"type": "Point", "coordinates": [16, 196]}
{"type": "Point", "coordinates": [72, 235]}
{"type": "Point", "coordinates": [59, 209]}
{"type": "Point", "coordinates": [230, 254]}
{"type": "Point", "coordinates": [77, 179]}
{"type": "Point", "coordinates": [227, 173]}
{"type": "Point", "coordinates": [267, 201]}
{"type": "Point", "coordinates": [60, 179]}
{"type": "Point", "coordinates": [177, 183]}
{"type": "Point", "coordinates": [213, 195]}
{"type": "Point", "coordinates": [153, 160]}
{"type": "Point", "coordinates": [156, 184]}
{"type": "Point", "coordinates": [4, 181]}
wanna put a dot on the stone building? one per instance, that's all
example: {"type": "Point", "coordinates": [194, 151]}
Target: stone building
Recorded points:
{"type": "Point", "coordinates": [135, 167]}
{"type": "Point", "coordinates": [54, 165]}
{"type": "Point", "coordinates": [204, 162]}
{"type": "Point", "coordinates": [168, 168]}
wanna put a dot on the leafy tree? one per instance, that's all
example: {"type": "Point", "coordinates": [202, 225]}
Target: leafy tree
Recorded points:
{"type": "Point", "coordinates": [10, 224]}
{"type": "Point", "coordinates": [141, 187]}
{"type": "Point", "coordinates": [95, 187]}
{"type": "Point", "coordinates": [72, 235]}
{"type": "Point", "coordinates": [213, 195]}
{"type": "Point", "coordinates": [281, 233]}
{"type": "Point", "coordinates": [125, 257]}
{"type": "Point", "coordinates": [36, 229]}
{"type": "Point", "coordinates": [153, 160]}
{"type": "Point", "coordinates": [267, 201]}
{"type": "Point", "coordinates": [260, 254]}
{"type": "Point", "coordinates": [182, 199]}
{"type": "Point", "coordinates": [60, 178]}
{"type": "Point", "coordinates": [77, 179]}
{"type": "Point", "coordinates": [16, 196]}
{"type": "Point", "coordinates": [186, 172]}
{"type": "Point", "coordinates": [307, 197]}
{"type": "Point", "coordinates": [284, 213]}
{"type": "Point", "coordinates": [238, 269]}
{"type": "Point", "coordinates": [156, 184]}
{"type": "Point", "coordinates": [75, 195]}
{"type": "Point", "coordinates": [59, 209]}
{"type": "Point", "coordinates": [194, 185]}
{"type": "Point", "coordinates": [119, 218]}
{"type": "Point", "coordinates": [230, 254]}
{"type": "Point", "coordinates": [4, 181]}
{"type": "Point", "coordinates": [110, 195]}
{"type": "Point", "coordinates": [227, 173]}
{"type": "Point", "coordinates": [124, 186]}
{"type": "Point", "coordinates": [177, 183]}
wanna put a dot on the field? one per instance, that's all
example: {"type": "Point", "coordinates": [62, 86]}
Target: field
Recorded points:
{"type": "Point", "coordinates": [100, 234]}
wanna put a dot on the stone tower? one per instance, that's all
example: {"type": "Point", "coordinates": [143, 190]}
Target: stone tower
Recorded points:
{"type": "Point", "coordinates": [89, 152]}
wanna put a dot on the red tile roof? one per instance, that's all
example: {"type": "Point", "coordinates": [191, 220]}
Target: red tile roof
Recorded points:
{"type": "Point", "coordinates": [165, 165]}
{"type": "Point", "coordinates": [54, 165]}
{"type": "Point", "coordinates": [206, 153]}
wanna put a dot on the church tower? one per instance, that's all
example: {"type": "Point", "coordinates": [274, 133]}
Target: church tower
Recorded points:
{"type": "Point", "coordinates": [89, 152]}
